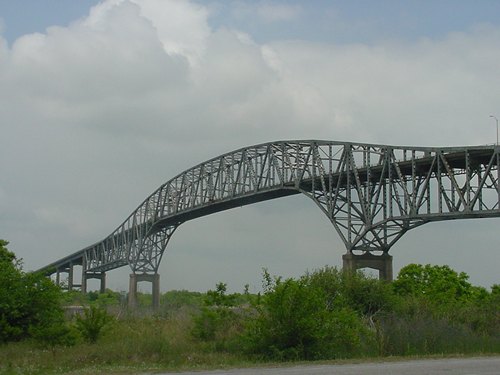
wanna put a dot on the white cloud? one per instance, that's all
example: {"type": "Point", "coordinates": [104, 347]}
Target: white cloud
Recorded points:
{"type": "Point", "coordinates": [180, 26]}
{"type": "Point", "coordinates": [402, 93]}
{"type": "Point", "coordinates": [96, 115]}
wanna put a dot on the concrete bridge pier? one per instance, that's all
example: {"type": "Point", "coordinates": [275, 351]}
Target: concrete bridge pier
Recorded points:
{"type": "Point", "coordinates": [58, 277]}
{"type": "Point", "coordinates": [101, 276]}
{"type": "Point", "coordinates": [69, 271]}
{"type": "Point", "coordinates": [382, 263]}
{"type": "Point", "coordinates": [135, 278]}
{"type": "Point", "coordinates": [70, 277]}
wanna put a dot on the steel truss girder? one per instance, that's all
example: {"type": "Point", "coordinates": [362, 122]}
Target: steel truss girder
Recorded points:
{"type": "Point", "coordinates": [372, 194]}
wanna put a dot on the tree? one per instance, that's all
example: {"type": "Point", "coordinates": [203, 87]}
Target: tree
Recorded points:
{"type": "Point", "coordinates": [29, 302]}
{"type": "Point", "coordinates": [436, 284]}
{"type": "Point", "coordinates": [5, 255]}
{"type": "Point", "coordinates": [12, 323]}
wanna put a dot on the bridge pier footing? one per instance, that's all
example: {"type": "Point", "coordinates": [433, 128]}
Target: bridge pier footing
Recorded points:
{"type": "Point", "coordinates": [154, 279]}
{"type": "Point", "coordinates": [382, 263]}
{"type": "Point", "coordinates": [101, 276]}
{"type": "Point", "coordinates": [69, 270]}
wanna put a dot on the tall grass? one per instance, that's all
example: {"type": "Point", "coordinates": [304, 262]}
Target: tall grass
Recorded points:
{"type": "Point", "coordinates": [426, 335]}
{"type": "Point", "coordinates": [141, 344]}
{"type": "Point", "coordinates": [135, 343]}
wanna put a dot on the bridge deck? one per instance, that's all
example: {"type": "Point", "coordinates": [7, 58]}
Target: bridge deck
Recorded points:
{"type": "Point", "coordinates": [461, 160]}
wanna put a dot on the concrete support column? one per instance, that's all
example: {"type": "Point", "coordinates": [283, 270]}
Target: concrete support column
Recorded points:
{"type": "Point", "coordinates": [83, 288]}
{"type": "Point", "coordinates": [70, 277]}
{"type": "Point", "coordinates": [382, 263]}
{"type": "Point", "coordinates": [156, 291]}
{"type": "Point", "coordinates": [102, 288]}
{"type": "Point", "coordinates": [101, 276]}
{"type": "Point", "coordinates": [84, 282]}
{"type": "Point", "coordinates": [58, 277]}
{"type": "Point", "coordinates": [154, 279]}
{"type": "Point", "coordinates": [132, 291]}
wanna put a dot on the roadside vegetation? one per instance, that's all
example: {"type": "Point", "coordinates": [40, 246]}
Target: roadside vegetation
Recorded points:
{"type": "Point", "coordinates": [326, 314]}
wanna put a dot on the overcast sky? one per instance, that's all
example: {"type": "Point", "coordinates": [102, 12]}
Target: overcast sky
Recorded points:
{"type": "Point", "coordinates": [102, 101]}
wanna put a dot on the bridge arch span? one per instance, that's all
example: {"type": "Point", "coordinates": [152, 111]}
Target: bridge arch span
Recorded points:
{"type": "Point", "coordinates": [372, 194]}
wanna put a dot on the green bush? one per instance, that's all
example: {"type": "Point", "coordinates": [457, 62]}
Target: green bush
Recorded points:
{"type": "Point", "coordinates": [439, 285]}
{"type": "Point", "coordinates": [219, 322]}
{"type": "Point", "coordinates": [355, 290]}
{"type": "Point", "coordinates": [54, 335]}
{"type": "Point", "coordinates": [306, 319]}
{"type": "Point", "coordinates": [29, 302]}
{"type": "Point", "coordinates": [439, 311]}
{"type": "Point", "coordinates": [91, 323]}
{"type": "Point", "coordinates": [175, 300]}
{"type": "Point", "coordinates": [214, 324]}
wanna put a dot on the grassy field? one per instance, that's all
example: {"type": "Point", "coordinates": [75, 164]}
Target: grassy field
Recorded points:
{"type": "Point", "coordinates": [326, 315]}
{"type": "Point", "coordinates": [146, 353]}
{"type": "Point", "coordinates": [130, 345]}
{"type": "Point", "coordinates": [145, 344]}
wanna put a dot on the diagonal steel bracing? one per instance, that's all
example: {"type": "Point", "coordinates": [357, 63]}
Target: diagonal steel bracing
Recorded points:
{"type": "Point", "coordinates": [372, 194]}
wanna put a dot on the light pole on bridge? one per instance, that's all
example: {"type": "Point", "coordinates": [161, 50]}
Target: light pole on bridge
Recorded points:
{"type": "Point", "coordinates": [497, 125]}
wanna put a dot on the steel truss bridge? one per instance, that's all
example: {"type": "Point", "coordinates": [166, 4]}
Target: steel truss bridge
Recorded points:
{"type": "Point", "coordinates": [372, 194]}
